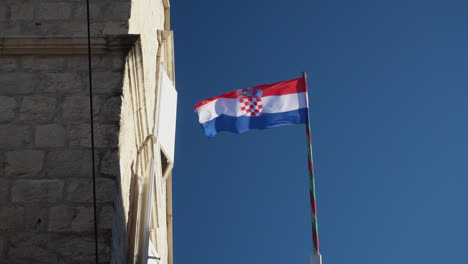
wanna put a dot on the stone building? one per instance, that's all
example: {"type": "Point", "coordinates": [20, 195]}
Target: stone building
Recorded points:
{"type": "Point", "coordinates": [47, 208]}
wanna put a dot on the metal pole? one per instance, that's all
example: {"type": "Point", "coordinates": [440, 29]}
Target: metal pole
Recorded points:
{"type": "Point", "coordinates": [310, 163]}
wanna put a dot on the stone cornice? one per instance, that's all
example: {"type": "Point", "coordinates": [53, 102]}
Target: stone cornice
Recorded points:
{"type": "Point", "coordinates": [36, 45]}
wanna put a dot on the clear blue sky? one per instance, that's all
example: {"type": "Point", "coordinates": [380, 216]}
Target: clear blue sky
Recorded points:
{"type": "Point", "coordinates": [388, 89]}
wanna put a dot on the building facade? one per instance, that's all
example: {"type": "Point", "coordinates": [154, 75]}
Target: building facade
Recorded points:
{"type": "Point", "coordinates": [48, 209]}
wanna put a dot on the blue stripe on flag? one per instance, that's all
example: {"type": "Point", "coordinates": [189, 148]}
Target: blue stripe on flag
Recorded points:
{"type": "Point", "coordinates": [243, 123]}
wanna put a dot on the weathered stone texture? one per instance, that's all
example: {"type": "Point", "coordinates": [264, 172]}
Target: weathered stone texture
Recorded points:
{"type": "Point", "coordinates": [106, 136]}
{"type": "Point", "coordinates": [105, 190]}
{"type": "Point", "coordinates": [8, 63]}
{"type": "Point", "coordinates": [33, 191]}
{"type": "Point", "coordinates": [107, 83]}
{"type": "Point", "coordinates": [50, 136]}
{"type": "Point", "coordinates": [43, 63]}
{"type": "Point", "coordinates": [76, 108]}
{"type": "Point", "coordinates": [35, 217]}
{"type": "Point", "coordinates": [79, 135]}
{"type": "Point", "coordinates": [14, 136]}
{"type": "Point", "coordinates": [30, 246]}
{"type": "Point", "coordinates": [69, 163]}
{"type": "Point", "coordinates": [23, 163]}
{"type": "Point", "coordinates": [2, 249]}
{"type": "Point", "coordinates": [61, 82]}
{"type": "Point", "coordinates": [81, 190]}
{"type": "Point", "coordinates": [71, 219]}
{"type": "Point", "coordinates": [10, 28]}
{"type": "Point", "coordinates": [54, 11]}
{"type": "Point", "coordinates": [105, 217]}
{"type": "Point", "coordinates": [110, 163]}
{"type": "Point", "coordinates": [16, 83]}
{"type": "Point", "coordinates": [37, 108]}
{"type": "Point", "coordinates": [46, 187]}
{"type": "Point", "coordinates": [112, 28]}
{"type": "Point", "coordinates": [78, 249]}
{"type": "Point", "coordinates": [52, 28]}
{"type": "Point", "coordinates": [7, 108]}
{"type": "Point", "coordinates": [21, 11]}
{"type": "Point", "coordinates": [3, 13]}
{"type": "Point", "coordinates": [3, 190]}
{"type": "Point", "coordinates": [11, 217]}
{"type": "Point", "coordinates": [110, 110]}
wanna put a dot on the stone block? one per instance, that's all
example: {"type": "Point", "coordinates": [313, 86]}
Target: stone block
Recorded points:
{"type": "Point", "coordinates": [43, 64]}
{"type": "Point", "coordinates": [107, 83]}
{"type": "Point", "coordinates": [52, 135]}
{"type": "Point", "coordinates": [2, 249]}
{"type": "Point", "coordinates": [101, 62]}
{"type": "Point", "coordinates": [78, 249]}
{"type": "Point", "coordinates": [27, 246]}
{"type": "Point", "coordinates": [3, 190]}
{"type": "Point", "coordinates": [35, 219]}
{"type": "Point", "coordinates": [84, 220]}
{"type": "Point", "coordinates": [3, 15]}
{"type": "Point", "coordinates": [10, 28]}
{"type": "Point", "coordinates": [110, 163]}
{"type": "Point", "coordinates": [7, 108]}
{"type": "Point", "coordinates": [105, 190]}
{"type": "Point", "coordinates": [118, 11]}
{"type": "Point", "coordinates": [14, 136]}
{"type": "Point", "coordinates": [119, 63]}
{"type": "Point", "coordinates": [24, 163]}
{"type": "Point", "coordinates": [76, 108]}
{"type": "Point", "coordinates": [78, 63]}
{"type": "Point", "coordinates": [35, 191]}
{"type": "Point", "coordinates": [79, 135]}
{"type": "Point", "coordinates": [110, 109]}
{"type": "Point", "coordinates": [8, 63]}
{"type": "Point", "coordinates": [21, 11]}
{"type": "Point", "coordinates": [71, 219]}
{"type": "Point", "coordinates": [37, 108]}
{"type": "Point", "coordinates": [105, 217]}
{"type": "Point", "coordinates": [11, 218]}
{"type": "Point", "coordinates": [54, 11]}
{"type": "Point", "coordinates": [79, 12]}
{"type": "Point", "coordinates": [106, 136]}
{"type": "Point", "coordinates": [17, 83]}
{"type": "Point", "coordinates": [51, 28]}
{"type": "Point", "coordinates": [69, 163]}
{"type": "Point", "coordinates": [79, 191]}
{"type": "Point", "coordinates": [110, 28]}
{"type": "Point", "coordinates": [61, 82]}
{"type": "Point", "coordinates": [82, 190]}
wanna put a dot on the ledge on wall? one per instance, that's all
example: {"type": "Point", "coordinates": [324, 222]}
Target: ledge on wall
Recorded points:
{"type": "Point", "coordinates": [15, 45]}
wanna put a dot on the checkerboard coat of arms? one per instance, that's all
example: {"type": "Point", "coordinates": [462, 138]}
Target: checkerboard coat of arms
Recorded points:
{"type": "Point", "coordinates": [250, 100]}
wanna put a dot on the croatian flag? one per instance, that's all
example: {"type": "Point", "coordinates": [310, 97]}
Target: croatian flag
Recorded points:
{"type": "Point", "coordinates": [259, 107]}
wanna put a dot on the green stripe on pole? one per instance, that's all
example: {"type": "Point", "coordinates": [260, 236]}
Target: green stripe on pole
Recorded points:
{"type": "Point", "coordinates": [311, 181]}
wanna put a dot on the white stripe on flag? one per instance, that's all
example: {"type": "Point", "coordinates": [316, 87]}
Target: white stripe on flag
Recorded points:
{"type": "Point", "coordinates": [231, 106]}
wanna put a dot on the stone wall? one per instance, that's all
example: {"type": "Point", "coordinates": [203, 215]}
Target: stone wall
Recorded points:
{"type": "Point", "coordinates": [46, 214]}
{"type": "Point", "coordinates": [63, 17]}
{"type": "Point", "coordinates": [46, 203]}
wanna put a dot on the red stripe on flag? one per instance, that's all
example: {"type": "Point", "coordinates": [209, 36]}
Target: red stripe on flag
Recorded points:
{"type": "Point", "coordinates": [279, 88]}
{"type": "Point", "coordinates": [283, 88]}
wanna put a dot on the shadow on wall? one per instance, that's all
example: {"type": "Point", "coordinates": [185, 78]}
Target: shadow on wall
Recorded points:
{"type": "Point", "coordinates": [46, 194]}
{"type": "Point", "coordinates": [63, 18]}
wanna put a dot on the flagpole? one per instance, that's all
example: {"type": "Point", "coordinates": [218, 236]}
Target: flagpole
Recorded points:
{"type": "Point", "coordinates": [315, 258]}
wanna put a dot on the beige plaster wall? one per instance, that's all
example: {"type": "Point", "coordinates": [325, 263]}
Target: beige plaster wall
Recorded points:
{"type": "Point", "coordinates": [138, 108]}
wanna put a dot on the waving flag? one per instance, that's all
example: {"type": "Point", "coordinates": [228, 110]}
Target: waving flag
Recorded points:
{"type": "Point", "coordinates": [259, 107]}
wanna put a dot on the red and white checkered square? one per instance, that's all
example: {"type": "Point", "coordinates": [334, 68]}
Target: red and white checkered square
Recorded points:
{"type": "Point", "coordinates": [251, 105]}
